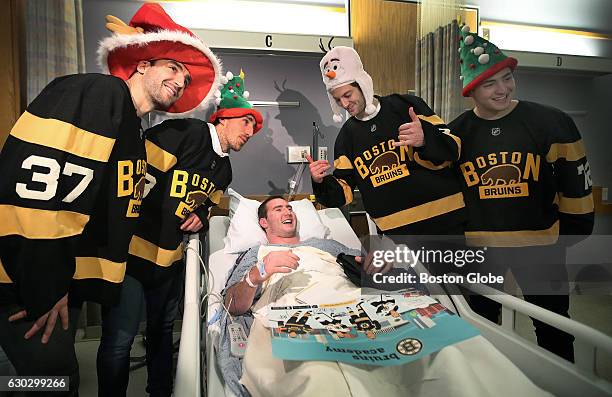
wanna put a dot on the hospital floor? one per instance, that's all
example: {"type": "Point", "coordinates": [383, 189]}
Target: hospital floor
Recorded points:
{"type": "Point", "coordinates": [86, 354]}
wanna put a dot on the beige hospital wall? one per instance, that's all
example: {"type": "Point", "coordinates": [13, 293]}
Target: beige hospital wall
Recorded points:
{"type": "Point", "coordinates": [10, 99]}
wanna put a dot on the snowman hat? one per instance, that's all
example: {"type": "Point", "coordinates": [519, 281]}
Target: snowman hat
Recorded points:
{"type": "Point", "coordinates": [342, 66]}
{"type": "Point", "coordinates": [153, 35]}
{"type": "Point", "coordinates": [480, 59]}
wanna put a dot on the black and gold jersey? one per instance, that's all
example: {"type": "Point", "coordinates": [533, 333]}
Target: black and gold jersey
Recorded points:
{"type": "Point", "coordinates": [405, 189]}
{"type": "Point", "coordinates": [185, 175]}
{"type": "Point", "coordinates": [526, 178]}
{"type": "Point", "coordinates": [72, 182]}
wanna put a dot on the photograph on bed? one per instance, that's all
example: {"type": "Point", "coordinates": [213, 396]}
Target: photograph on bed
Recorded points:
{"type": "Point", "coordinates": [302, 299]}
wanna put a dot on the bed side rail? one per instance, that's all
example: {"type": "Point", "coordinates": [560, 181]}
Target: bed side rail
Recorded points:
{"type": "Point", "coordinates": [187, 380]}
{"type": "Point", "coordinates": [588, 341]}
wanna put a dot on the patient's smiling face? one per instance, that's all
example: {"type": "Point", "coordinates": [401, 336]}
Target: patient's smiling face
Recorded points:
{"type": "Point", "coordinates": [280, 220]}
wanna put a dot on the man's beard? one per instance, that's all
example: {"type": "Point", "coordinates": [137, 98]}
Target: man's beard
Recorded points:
{"type": "Point", "coordinates": [157, 97]}
{"type": "Point", "coordinates": [160, 104]}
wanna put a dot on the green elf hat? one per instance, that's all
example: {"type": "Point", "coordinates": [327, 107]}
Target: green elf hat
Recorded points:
{"type": "Point", "coordinates": [480, 59]}
{"type": "Point", "coordinates": [232, 100]}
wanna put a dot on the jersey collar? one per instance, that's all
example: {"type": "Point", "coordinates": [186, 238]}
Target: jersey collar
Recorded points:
{"type": "Point", "coordinates": [215, 141]}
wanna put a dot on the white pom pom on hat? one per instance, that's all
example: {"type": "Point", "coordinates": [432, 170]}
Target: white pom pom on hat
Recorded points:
{"type": "Point", "coordinates": [483, 58]}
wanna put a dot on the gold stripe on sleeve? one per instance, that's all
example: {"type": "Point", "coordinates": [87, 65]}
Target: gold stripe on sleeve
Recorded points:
{"type": "Point", "coordinates": [434, 119]}
{"type": "Point", "coordinates": [63, 136]}
{"type": "Point", "coordinates": [420, 212]}
{"type": "Point", "coordinates": [348, 191]}
{"type": "Point", "coordinates": [519, 238]}
{"type": "Point", "coordinates": [343, 163]}
{"type": "Point", "coordinates": [568, 151]}
{"type": "Point", "coordinates": [99, 268]}
{"type": "Point", "coordinates": [428, 164]}
{"type": "Point", "coordinates": [146, 250]}
{"type": "Point", "coordinates": [158, 157]}
{"type": "Point", "coordinates": [576, 206]}
{"type": "Point", "coordinates": [4, 277]}
{"type": "Point", "coordinates": [34, 223]}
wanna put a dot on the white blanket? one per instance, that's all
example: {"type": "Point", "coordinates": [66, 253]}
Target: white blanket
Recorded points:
{"type": "Point", "coordinates": [470, 368]}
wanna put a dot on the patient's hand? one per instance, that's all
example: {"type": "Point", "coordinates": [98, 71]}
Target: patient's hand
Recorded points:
{"type": "Point", "coordinates": [278, 262]}
{"type": "Point", "coordinates": [318, 169]}
{"type": "Point", "coordinates": [368, 266]}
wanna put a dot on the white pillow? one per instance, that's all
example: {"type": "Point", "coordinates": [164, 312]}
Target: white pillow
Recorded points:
{"type": "Point", "coordinates": [244, 231]}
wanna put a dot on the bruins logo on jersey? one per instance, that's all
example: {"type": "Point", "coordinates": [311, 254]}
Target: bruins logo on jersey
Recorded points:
{"type": "Point", "coordinates": [386, 165]}
{"type": "Point", "coordinates": [192, 201]}
{"type": "Point", "coordinates": [131, 182]}
{"type": "Point", "coordinates": [386, 168]}
{"type": "Point", "coordinates": [182, 181]}
{"type": "Point", "coordinates": [500, 175]}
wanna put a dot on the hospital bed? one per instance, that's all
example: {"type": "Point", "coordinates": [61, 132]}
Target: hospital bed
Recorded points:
{"type": "Point", "coordinates": [546, 370]}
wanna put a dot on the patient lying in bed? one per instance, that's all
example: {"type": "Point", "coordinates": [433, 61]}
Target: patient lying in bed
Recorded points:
{"type": "Point", "coordinates": [279, 273]}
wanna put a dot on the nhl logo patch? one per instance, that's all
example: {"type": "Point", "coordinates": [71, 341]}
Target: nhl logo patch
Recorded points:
{"type": "Point", "coordinates": [373, 128]}
{"type": "Point", "coordinates": [495, 131]}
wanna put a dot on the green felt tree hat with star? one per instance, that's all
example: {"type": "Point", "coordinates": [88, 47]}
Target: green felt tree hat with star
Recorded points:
{"type": "Point", "coordinates": [480, 59]}
{"type": "Point", "coordinates": [232, 100]}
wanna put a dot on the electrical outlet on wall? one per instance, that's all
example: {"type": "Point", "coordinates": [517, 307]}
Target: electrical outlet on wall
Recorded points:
{"type": "Point", "coordinates": [297, 154]}
{"type": "Point", "coordinates": [322, 154]}
{"type": "Point", "coordinates": [604, 194]}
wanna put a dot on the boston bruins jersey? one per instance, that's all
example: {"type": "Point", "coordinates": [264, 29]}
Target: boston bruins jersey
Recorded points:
{"type": "Point", "coordinates": [405, 190]}
{"type": "Point", "coordinates": [526, 178]}
{"type": "Point", "coordinates": [185, 175]}
{"type": "Point", "coordinates": [72, 181]}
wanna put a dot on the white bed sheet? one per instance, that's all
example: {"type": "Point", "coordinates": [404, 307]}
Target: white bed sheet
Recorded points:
{"type": "Point", "coordinates": [220, 263]}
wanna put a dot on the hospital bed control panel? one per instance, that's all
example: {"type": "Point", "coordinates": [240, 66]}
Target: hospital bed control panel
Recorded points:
{"type": "Point", "coordinates": [238, 339]}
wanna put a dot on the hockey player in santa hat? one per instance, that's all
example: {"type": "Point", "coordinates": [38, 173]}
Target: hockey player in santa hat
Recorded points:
{"type": "Point", "coordinates": [73, 180]}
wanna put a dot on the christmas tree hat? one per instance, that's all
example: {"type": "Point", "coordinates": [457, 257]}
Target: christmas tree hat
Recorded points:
{"type": "Point", "coordinates": [480, 59]}
{"type": "Point", "coordinates": [232, 100]}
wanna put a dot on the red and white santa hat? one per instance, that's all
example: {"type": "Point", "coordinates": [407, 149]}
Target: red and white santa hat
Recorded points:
{"type": "Point", "coordinates": [151, 35]}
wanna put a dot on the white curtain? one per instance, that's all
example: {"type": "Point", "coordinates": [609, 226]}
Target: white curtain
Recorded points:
{"type": "Point", "coordinates": [54, 42]}
{"type": "Point", "coordinates": [437, 59]}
